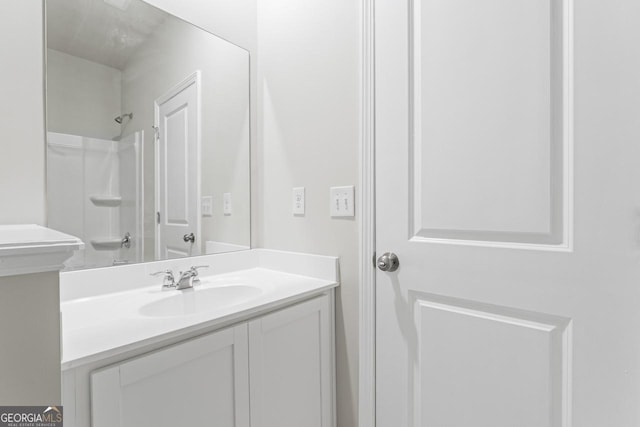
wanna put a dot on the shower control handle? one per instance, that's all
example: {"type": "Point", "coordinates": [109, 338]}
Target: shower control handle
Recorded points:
{"type": "Point", "coordinates": [388, 262]}
{"type": "Point", "coordinates": [189, 238]}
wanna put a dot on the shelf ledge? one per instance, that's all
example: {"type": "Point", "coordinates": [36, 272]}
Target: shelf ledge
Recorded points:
{"type": "Point", "coordinates": [106, 201]}
{"type": "Point", "coordinates": [110, 244]}
{"type": "Point", "coordinates": [30, 248]}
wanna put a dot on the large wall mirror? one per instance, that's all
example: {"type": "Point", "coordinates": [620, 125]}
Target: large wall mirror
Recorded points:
{"type": "Point", "coordinates": [148, 134]}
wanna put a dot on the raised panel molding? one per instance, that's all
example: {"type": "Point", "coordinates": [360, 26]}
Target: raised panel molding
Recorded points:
{"type": "Point", "coordinates": [491, 123]}
{"type": "Point", "coordinates": [504, 366]}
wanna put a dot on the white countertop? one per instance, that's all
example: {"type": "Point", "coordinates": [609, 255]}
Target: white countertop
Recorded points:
{"type": "Point", "coordinates": [105, 325]}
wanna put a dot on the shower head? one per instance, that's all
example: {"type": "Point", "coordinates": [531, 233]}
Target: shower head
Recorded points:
{"type": "Point", "coordinates": [120, 118]}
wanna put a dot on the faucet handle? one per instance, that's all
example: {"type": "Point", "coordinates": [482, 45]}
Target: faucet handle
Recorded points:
{"type": "Point", "coordinates": [166, 272]}
{"type": "Point", "coordinates": [195, 268]}
{"type": "Point", "coordinates": [193, 271]}
{"type": "Point", "coordinates": [192, 274]}
{"type": "Point", "coordinates": [169, 279]}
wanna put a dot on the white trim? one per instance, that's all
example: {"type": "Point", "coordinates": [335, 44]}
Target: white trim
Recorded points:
{"type": "Point", "coordinates": [156, 179]}
{"type": "Point", "coordinates": [367, 294]}
{"type": "Point", "coordinates": [139, 152]}
{"type": "Point", "coordinates": [193, 78]}
{"type": "Point", "coordinates": [488, 315]}
{"type": "Point", "coordinates": [568, 120]}
{"type": "Point", "coordinates": [30, 248]}
{"type": "Point", "coordinates": [494, 244]}
{"type": "Point", "coordinates": [185, 83]}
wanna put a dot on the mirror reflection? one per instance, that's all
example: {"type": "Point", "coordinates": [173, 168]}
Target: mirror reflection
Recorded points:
{"type": "Point", "coordinates": [148, 134]}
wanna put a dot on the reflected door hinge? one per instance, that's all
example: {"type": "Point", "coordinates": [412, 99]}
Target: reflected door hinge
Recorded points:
{"type": "Point", "coordinates": [158, 217]}
{"type": "Point", "coordinates": [156, 130]}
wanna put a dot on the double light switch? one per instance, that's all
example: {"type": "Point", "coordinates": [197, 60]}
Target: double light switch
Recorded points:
{"type": "Point", "coordinates": [342, 201]}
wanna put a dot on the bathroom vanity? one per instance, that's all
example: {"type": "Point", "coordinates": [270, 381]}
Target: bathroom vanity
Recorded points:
{"type": "Point", "coordinates": [251, 345]}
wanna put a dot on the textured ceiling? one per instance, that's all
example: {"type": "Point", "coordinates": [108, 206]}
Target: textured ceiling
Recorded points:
{"type": "Point", "coordinates": [98, 32]}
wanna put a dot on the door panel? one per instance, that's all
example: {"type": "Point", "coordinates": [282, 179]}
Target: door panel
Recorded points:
{"type": "Point", "coordinates": [516, 300]}
{"type": "Point", "coordinates": [178, 173]}
{"type": "Point", "coordinates": [176, 145]}
{"type": "Point", "coordinates": [204, 381]}
{"type": "Point", "coordinates": [521, 355]}
{"type": "Point", "coordinates": [291, 367]}
{"type": "Point", "coordinates": [487, 99]}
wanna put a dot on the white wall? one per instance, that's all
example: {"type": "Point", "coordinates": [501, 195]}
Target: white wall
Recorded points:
{"type": "Point", "coordinates": [73, 86]}
{"type": "Point", "coordinates": [308, 77]}
{"type": "Point", "coordinates": [21, 113]}
{"type": "Point", "coordinates": [29, 307]}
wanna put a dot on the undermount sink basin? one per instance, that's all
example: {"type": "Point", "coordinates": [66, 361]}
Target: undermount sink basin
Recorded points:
{"type": "Point", "coordinates": [194, 301]}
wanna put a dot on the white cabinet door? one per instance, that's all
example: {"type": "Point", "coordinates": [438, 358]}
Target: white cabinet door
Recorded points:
{"type": "Point", "coordinates": [291, 366]}
{"type": "Point", "coordinates": [202, 382]}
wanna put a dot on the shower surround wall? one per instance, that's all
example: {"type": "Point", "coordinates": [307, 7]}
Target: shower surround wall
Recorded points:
{"type": "Point", "coordinates": [93, 194]}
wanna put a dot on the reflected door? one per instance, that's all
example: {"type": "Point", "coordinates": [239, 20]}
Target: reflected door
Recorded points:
{"type": "Point", "coordinates": [516, 301]}
{"type": "Point", "coordinates": [178, 170]}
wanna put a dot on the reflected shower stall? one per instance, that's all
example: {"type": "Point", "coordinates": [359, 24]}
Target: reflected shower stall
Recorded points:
{"type": "Point", "coordinates": [95, 192]}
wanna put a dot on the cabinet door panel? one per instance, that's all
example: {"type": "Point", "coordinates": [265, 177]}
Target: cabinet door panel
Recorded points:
{"type": "Point", "coordinates": [201, 382]}
{"type": "Point", "coordinates": [291, 366]}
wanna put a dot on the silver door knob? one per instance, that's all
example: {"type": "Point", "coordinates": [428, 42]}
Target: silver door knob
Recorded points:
{"type": "Point", "coordinates": [189, 238]}
{"type": "Point", "coordinates": [126, 241]}
{"type": "Point", "coordinates": [388, 262]}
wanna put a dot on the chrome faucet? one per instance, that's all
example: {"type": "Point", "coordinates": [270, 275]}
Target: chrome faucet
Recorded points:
{"type": "Point", "coordinates": [186, 280]}
{"type": "Point", "coordinates": [189, 278]}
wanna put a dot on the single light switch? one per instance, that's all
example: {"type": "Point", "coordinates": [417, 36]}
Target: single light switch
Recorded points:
{"type": "Point", "coordinates": [226, 203]}
{"type": "Point", "coordinates": [207, 206]}
{"type": "Point", "coordinates": [342, 201]}
{"type": "Point", "coordinates": [298, 201]}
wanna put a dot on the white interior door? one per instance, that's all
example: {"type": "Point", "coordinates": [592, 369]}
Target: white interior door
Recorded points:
{"type": "Point", "coordinates": [178, 170]}
{"type": "Point", "coordinates": [508, 184]}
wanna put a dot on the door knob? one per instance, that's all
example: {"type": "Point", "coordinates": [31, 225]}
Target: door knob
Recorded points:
{"type": "Point", "coordinates": [126, 241]}
{"type": "Point", "coordinates": [388, 262]}
{"type": "Point", "coordinates": [189, 238]}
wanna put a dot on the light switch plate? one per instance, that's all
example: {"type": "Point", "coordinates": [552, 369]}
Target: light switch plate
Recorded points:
{"type": "Point", "coordinates": [342, 201]}
{"type": "Point", "coordinates": [207, 206]}
{"type": "Point", "coordinates": [226, 204]}
{"type": "Point", "coordinates": [298, 201]}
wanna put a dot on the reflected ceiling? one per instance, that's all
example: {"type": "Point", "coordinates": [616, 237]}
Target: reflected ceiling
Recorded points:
{"type": "Point", "coordinates": [100, 31]}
